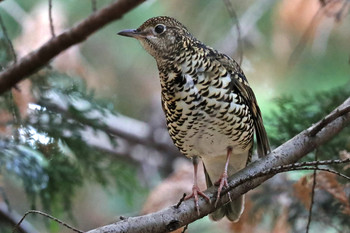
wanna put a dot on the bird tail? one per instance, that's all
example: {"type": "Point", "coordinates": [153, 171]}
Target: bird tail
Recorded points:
{"type": "Point", "coordinates": [232, 210]}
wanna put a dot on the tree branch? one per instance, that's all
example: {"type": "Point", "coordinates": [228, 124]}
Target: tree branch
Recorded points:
{"type": "Point", "coordinates": [172, 218]}
{"type": "Point", "coordinates": [132, 130]}
{"type": "Point", "coordinates": [136, 139]}
{"type": "Point", "coordinates": [40, 57]}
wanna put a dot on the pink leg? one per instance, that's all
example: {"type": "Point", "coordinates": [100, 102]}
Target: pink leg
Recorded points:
{"type": "Point", "coordinates": [195, 189]}
{"type": "Point", "coordinates": [222, 182]}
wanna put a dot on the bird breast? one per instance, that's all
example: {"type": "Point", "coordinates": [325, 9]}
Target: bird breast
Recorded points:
{"type": "Point", "coordinates": [204, 115]}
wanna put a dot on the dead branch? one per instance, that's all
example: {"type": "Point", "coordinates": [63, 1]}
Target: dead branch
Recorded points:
{"type": "Point", "coordinates": [52, 28]}
{"type": "Point", "coordinates": [312, 195]}
{"type": "Point", "coordinates": [239, 183]}
{"type": "Point", "coordinates": [40, 57]}
{"type": "Point", "coordinates": [17, 226]}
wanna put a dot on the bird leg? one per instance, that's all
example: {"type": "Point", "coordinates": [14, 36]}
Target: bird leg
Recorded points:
{"type": "Point", "coordinates": [222, 182]}
{"type": "Point", "coordinates": [195, 189]}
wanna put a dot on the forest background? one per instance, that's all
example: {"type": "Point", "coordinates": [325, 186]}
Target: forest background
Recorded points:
{"type": "Point", "coordinates": [84, 137]}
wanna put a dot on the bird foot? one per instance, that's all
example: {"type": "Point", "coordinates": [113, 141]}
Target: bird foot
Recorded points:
{"type": "Point", "coordinates": [222, 182]}
{"type": "Point", "coordinates": [195, 193]}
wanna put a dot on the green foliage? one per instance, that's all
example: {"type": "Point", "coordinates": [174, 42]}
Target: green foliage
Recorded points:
{"type": "Point", "coordinates": [290, 117]}
{"type": "Point", "coordinates": [50, 155]}
{"type": "Point", "coordinates": [25, 163]}
{"type": "Point", "coordinates": [5, 51]}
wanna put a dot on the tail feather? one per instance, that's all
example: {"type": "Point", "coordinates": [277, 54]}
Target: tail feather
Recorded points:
{"type": "Point", "coordinates": [232, 210]}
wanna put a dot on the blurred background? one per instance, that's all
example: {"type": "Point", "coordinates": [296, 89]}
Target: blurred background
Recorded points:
{"type": "Point", "coordinates": [84, 138]}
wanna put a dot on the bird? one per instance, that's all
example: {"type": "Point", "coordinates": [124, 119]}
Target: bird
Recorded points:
{"type": "Point", "coordinates": [211, 111]}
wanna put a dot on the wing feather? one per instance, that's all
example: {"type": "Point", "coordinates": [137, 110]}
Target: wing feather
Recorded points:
{"type": "Point", "coordinates": [239, 84]}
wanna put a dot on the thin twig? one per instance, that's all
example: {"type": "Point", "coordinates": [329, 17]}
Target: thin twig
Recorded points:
{"type": "Point", "coordinates": [47, 216]}
{"type": "Point", "coordinates": [185, 228]}
{"type": "Point", "coordinates": [3, 28]}
{"type": "Point", "coordinates": [93, 5]}
{"type": "Point", "coordinates": [319, 169]}
{"type": "Point", "coordinates": [235, 20]}
{"type": "Point", "coordinates": [12, 217]}
{"type": "Point", "coordinates": [312, 195]}
{"type": "Point", "coordinates": [52, 29]}
{"type": "Point", "coordinates": [181, 200]}
{"type": "Point", "coordinates": [288, 168]}
{"type": "Point", "coordinates": [318, 163]}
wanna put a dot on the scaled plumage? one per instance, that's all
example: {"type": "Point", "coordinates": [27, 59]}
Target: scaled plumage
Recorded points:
{"type": "Point", "coordinates": [211, 111]}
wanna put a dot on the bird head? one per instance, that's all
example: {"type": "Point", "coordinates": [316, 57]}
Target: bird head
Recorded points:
{"type": "Point", "coordinates": [160, 36]}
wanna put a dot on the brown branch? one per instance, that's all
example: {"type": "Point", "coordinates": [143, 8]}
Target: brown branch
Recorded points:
{"type": "Point", "coordinates": [52, 28]}
{"type": "Point", "coordinates": [40, 57]}
{"type": "Point", "coordinates": [312, 195]}
{"type": "Point", "coordinates": [239, 183]}
{"type": "Point", "coordinates": [318, 127]}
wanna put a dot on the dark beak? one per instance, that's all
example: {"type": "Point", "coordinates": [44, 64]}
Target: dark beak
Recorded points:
{"type": "Point", "coordinates": [130, 33]}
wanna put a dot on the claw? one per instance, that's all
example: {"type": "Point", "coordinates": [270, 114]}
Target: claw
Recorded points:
{"type": "Point", "coordinates": [195, 193]}
{"type": "Point", "coordinates": [222, 182]}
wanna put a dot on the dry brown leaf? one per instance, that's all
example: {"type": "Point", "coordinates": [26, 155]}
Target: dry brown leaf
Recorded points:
{"type": "Point", "coordinates": [302, 190]}
{"type": "Point", "coordinates": [328, 182]}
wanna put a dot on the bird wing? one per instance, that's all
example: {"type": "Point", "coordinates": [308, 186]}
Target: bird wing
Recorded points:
{"type": "Point", "coordinates": [239, 84]}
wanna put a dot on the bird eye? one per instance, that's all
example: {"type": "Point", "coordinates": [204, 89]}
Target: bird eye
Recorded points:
{"type": "Point", "coordinates": [160, 28]}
